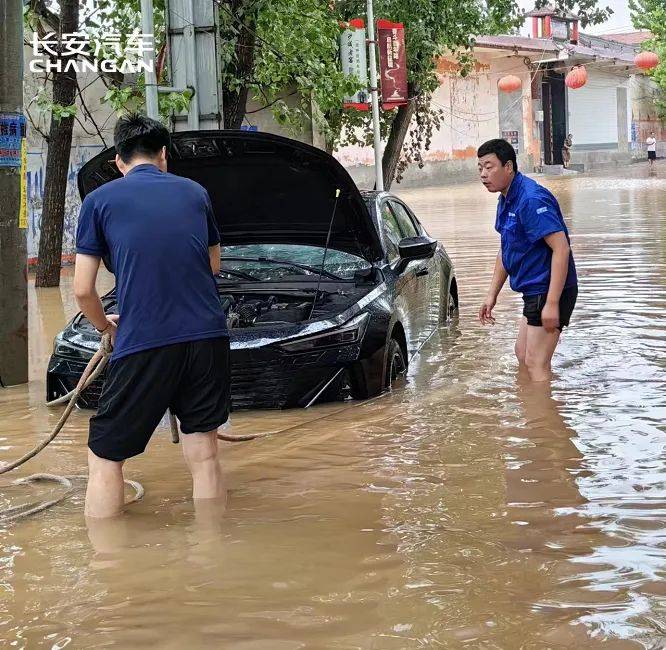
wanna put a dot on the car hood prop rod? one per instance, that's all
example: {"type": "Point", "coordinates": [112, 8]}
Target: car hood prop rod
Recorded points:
{"type": "Point", "coordinates": [323, 261]}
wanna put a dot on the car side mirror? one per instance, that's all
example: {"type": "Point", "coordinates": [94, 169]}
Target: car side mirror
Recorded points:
{"type": "Point", "coordinates": [417, 248]}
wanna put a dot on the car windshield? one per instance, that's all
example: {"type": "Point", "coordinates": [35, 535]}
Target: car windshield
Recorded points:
{"type": "Point", "coordinates": [275, 262]}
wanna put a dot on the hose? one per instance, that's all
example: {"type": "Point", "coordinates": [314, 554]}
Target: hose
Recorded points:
{"type": "Point", "coordinates": [93, 370]}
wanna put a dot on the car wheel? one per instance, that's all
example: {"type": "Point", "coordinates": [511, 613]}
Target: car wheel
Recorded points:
{"type": "Point", "coordinates": [452, 307]}
{"type": "Point", "coordinates": [449, 309]}
{"type": "Point", "coordinates": [396, 365]}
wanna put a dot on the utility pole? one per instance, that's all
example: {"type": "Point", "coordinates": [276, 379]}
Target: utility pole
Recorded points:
{"type": "Point", "coordinates": [374, 95]}
{"type": "Point", "coordinates": [13, 247]}
{"type": "Point", "coordinates": [147, 27]}
{"type": "Point", "coordinates": [193, 48]}
{"type": "Point", "coordinates": [192, 44]}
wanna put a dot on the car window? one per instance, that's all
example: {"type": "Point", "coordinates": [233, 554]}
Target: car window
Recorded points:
{"type": "Point", "coordinates": [392, 234]}
{"type": "Point", "coordinates": [407, 227]}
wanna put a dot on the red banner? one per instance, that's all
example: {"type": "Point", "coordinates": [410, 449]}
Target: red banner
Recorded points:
{"type": "Point", "coordinates": [392, 63]}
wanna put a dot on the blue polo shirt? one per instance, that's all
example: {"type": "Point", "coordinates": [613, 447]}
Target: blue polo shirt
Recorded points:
{"type": "Point", "coordinates": [156, 229]}
{"type": "Point", "coordinates": [527, 215]}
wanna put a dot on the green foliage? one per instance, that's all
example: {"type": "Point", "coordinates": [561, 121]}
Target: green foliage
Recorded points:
{"type": "Point", "coordinates": [432, 28]}
{"type": "Point", "coordinates": [174, 102]}
{"type": "Point", "coordinates": [651, 15]}
{"type": "Point", "coordinates": [297, 54]}
{"type": "Point", "coordinates": [46, 105]}
{"type": "Point", "coordinates": [118, 98]}
{"type": "Point", "coordinates": [124, 17]}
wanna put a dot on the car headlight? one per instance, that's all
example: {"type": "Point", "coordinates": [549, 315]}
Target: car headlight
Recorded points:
{"type": "Point", "coordinates": [66, 349]}
{"type": "Point", "coordinates": [351, 332]}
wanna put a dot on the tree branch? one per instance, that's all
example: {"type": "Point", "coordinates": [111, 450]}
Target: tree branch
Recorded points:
{"type": "Point", "coordinates": [89, 114]}
{"type": "Point", "coordinates": [35, 127]}
{"type": "Point", "coordinates": [52, 21]}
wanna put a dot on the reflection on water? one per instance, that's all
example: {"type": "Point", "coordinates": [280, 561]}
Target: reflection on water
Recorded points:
{"type": "Point", "coordinates": [470, 509]}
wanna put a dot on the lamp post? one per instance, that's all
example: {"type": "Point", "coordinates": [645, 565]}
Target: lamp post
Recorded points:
{"type": "Point", "coordinates": [374, 95]}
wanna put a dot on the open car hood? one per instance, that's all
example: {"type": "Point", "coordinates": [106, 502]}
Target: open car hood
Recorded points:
{"type": "Point", "coordinates": [264, 189]}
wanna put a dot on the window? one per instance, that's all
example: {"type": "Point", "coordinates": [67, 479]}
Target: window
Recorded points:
{"type": "Point", "coordinates": [392, 233]}
{"type": "Point", "coordinates": [407, 227]}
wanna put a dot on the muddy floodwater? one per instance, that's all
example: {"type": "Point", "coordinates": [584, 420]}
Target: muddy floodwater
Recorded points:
{"type": "Point", "coordinates": [465, 510]}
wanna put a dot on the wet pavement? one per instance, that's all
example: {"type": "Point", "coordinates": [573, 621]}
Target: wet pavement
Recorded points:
{"type": "Point", "coordinates": [468, 509]}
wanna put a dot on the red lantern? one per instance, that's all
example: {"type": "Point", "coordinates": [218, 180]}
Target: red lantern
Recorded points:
{"type": "Point", "coordinates": [577, 77]}
{"type": "Point", "coordinates": [646, 60]}
{"type": "Point", "coordinates": [509, 84]}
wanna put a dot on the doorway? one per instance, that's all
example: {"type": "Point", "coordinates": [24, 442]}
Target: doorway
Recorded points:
{"type": "Point", "coordinates": [554, 95]}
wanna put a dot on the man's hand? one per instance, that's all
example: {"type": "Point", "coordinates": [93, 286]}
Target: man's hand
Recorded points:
{"type": "Point", "coordinates": [486, 312]}
{"type": "Point", "coordinates": [550, 316]}
{"type": "Point", "coordinates": [111, 327]}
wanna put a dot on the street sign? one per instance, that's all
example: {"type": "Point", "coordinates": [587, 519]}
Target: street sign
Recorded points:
{"type": "Point", "coordinates": [355, 62]}
{"type": "Point", "coordinates": [393, 63]}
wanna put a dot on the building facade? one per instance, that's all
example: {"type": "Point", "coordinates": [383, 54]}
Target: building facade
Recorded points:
{"type": "Point", "coordinates": [609, 117]}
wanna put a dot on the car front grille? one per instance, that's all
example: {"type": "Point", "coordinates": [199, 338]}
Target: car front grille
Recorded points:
{"type": "Point", "coordinates": [267, 379]}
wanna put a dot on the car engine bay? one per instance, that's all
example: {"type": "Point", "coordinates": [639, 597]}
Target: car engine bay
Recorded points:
{"type": "Point", "coordinates": [252, 310]}
{"type": "Point", "coordinates": [264, 309]}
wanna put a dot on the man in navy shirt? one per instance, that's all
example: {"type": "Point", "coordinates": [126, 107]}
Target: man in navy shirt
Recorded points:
{"type": "Point", "coordinates": [535, 255]}
{"type": "Point", "coordinates": [171, 346]}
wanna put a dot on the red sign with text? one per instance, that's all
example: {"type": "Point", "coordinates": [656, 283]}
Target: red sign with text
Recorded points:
{"type": "Point", "coordinates": [392, 63]}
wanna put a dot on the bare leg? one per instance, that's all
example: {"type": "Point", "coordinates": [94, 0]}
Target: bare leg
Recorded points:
{"type": "Point", "coordinates": [105, 495]}
{"type": "Point", "coordinates": [200, 451]}
{"type": "Point", "coordinates": [109, 535]}
{"type": "Point", "coordinates": [539, 352]}
{"type": "Point", "coordinates": [521, 342]}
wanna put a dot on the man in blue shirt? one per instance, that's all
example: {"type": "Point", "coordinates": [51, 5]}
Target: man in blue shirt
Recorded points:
{"type": "Point", "coordinates": [171, 346]}
{"type": "Point", "coordinates": [535, 255]}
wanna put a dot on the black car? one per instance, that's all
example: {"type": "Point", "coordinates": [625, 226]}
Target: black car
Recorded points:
{"type": "Point", "coordinates": [328, 291]}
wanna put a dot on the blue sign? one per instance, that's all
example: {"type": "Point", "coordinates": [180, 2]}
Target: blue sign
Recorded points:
{"type": "Point", "coordinates": [249, 127]}
{"type": "Point", "coordinates": [12, 130]}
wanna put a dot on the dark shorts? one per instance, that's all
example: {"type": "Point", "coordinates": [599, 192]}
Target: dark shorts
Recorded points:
{"type": "Point", "coordinates": [192, 379]}
{"type": "Point", "coordinates": [534, 305]}
{"type": "Point", "coordinates": [652, 155]}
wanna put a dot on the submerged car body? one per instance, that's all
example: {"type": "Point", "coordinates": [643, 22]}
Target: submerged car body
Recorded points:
{"type": "Point", "coordinates": [326, 289]}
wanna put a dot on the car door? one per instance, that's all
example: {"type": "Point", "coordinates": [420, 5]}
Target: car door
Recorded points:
{"type": "Point", "coordinates": [423, 271]}
{"type": "Point", "coordinates": [433, 280]}
{"type": "Point", "coordinates": [406, 282]}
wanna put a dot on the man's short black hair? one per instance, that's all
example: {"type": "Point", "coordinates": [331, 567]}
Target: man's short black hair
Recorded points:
{"type": "Point", "coordinates": [502, 149]}
{"type": "Point", "coordinates": [136, 135]}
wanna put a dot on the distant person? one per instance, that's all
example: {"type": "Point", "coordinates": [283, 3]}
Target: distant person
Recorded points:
{"type": "Point", "coordinates": [534, 254]}
{"type": "Point", "coordinates": [170, 340]}
{"type": "Point", "coordinates": [651, 143]}
{"type": "Point", "coordinates": [566, 150]}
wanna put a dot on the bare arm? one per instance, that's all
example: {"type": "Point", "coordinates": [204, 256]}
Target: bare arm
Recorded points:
{"type": "Point", "coordinates": [499, 278]}
{"type": "Point", "coordinates": [550, 316]}
{"type": "Point", "coordinates": [87, 298]}
{"type": "Point", "coordinates": [214, 253]}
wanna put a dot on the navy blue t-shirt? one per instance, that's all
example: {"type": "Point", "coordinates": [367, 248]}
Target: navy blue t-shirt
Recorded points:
{"type": "Point", "coordinates": [156, 229]}
{"type": "Point", "coordinates": [527, 215]}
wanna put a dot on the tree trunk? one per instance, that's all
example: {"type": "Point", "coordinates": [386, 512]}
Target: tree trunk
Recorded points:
{"type": "Point", "coordinates": [397, 135]}
{"type": "Point", "coordinates": [57, 164]}
{"type": "Point", "coordinates": [234, 101]}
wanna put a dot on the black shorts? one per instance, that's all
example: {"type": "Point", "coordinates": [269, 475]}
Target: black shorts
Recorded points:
{"type": "Point", "coordinates": [652, 155]}
{"type": "Point", "coordinates": [534, 305]}
{"type": "Point", "coordinates": [192, 379]}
